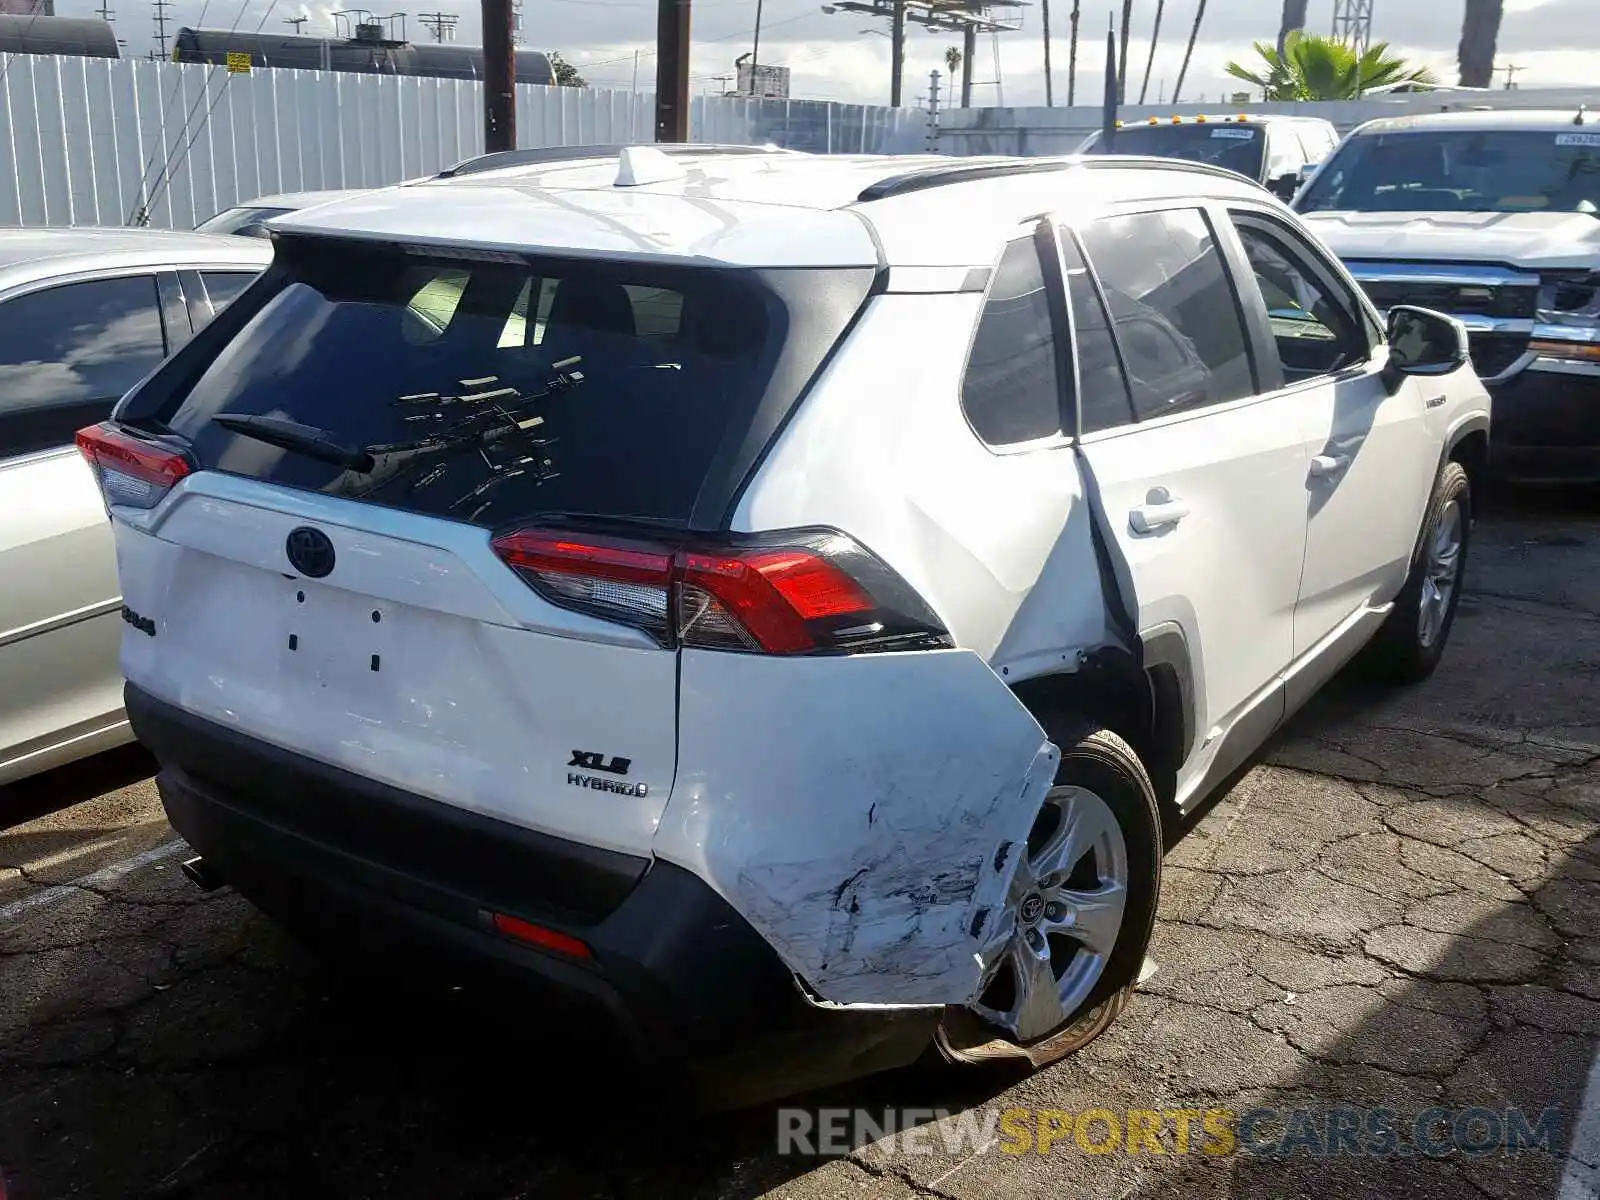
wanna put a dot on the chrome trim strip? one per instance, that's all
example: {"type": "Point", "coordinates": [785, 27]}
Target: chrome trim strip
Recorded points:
{"type": "Point", "coordinates": [1564, 366]}
{"type": "Point", "coordinates": [50, 624]}
{"type": "Point", "coordinates": [1458, 274]}
{"type": "Point", "coordinates": [1582, 335]}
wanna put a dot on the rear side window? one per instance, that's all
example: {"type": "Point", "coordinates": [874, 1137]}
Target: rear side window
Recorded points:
{"type": "Point", "coordinates": [223, 287]}
{"type": "Point", "coordinates": [492, 391]}
{"type": "Point", "coordinates": [68, 353]}
{"type": "Point", "coordinates": [1010, 392]}
{"type": "Point", "coordinates": [1176, 317]}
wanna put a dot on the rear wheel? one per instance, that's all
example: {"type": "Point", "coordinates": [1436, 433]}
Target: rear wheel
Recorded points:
{"type": "Point", "coordinates": [1412, 640]}
{"type": "Point", "coordinates": [1079, 914]}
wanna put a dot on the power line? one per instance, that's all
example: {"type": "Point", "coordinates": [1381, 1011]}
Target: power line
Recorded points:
{"type": "Point", "coordinates": [165, 177]}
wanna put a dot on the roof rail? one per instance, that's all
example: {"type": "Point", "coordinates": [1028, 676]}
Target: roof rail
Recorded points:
{"type": "Point", "coordinates": [932, 177]}
{"type": "Point", "coordinates": [498, 159]}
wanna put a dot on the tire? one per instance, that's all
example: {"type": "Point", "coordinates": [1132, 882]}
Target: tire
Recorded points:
{"type": "Point", "coordinates": [1097, 769]}
{"type": "Point", "coordinates": [1405, 650]}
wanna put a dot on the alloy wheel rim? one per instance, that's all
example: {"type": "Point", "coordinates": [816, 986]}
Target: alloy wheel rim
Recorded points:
{"type": "Point", "coordinates": [1063, 915]}
{"type": "Point", "coordinates": [1441, 575]}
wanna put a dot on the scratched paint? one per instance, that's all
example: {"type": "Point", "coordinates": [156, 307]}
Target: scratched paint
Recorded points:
{"type": "Point", "coordinates": [871, 844]}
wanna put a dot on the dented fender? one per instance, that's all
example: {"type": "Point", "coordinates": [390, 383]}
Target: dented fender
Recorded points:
{"type": "Point", "coordinates": [864, 813]}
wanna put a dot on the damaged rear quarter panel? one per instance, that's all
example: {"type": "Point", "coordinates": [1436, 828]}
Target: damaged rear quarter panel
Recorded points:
{"type": "Point", "coordinates": [864, 813]}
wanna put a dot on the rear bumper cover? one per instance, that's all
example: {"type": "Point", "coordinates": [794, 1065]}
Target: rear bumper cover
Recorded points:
{"type": "Point", "coordinates": [1547, 426]}
{"type": "Point", "coordinates": [678, 972]}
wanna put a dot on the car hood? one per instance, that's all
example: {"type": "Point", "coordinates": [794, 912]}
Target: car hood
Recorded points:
{"type": "Point", "coordinates": [1531, 241]}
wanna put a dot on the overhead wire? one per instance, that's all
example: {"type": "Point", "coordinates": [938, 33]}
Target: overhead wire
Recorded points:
{"type": "Point", "coordinates": [165, 180]}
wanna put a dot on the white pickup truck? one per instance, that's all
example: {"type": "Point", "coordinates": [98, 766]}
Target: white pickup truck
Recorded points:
{"type": "Point", "coordinates": [1493, 217]}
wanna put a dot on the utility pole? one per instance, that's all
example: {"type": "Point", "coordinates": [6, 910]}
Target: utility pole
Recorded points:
{"type": "Point", "coordinates": [1511, 71]}
{"type": "Point", "coordinates": [755, 53]}
{"type": "Point", "coordinates": [1072, 55]}
{"type": "Point", "coordinates": [933, 111]}
{"type": "Point", "coordinates": [104, 11]}
{"type": "Point", "coordinates": [672, 70]}
{"type": "Point", "coordinates": [161, 7]}
{"type": "Point", "coordinates": [897, 52]}
{"type": "Point", "coordinates": [297, 22]}
{"type": "Point", "coordinates": [441, 25]}
{"type": "Point", "coordinates": [1155, 37]}
{"type": "Point", "coordinates": [969, 48]}
{"type": "Point", "coordinates": [1049, 78]}
{"type": "Point", "coordinates": [499, 78]}
{"type": "Point", "coordinates": [1122, 58]}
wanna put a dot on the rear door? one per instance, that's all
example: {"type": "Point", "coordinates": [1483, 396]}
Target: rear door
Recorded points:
{"type": "Point", "coordinates": [1200, 479]}
{"type": "Point", "coordinates": [357, 611]}
{"type": "Point", "coordinates": [67, 353]}
{"type": "Point", "coordinates": [1369, 454]}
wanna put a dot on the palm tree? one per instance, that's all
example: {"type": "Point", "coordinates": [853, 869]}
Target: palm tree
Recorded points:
{"type": "Point", "coordinates": [1321, 68]}
{"type": "Point", "coordinates": [1194, 36]}
{"type": "Point", "coordinates": [1155, 38]}
{"type": "Point", "coordinates": [952, 60]}
{"type": "Point", "coordinates": [1294, 18]}
{"type": "Point", "coordinates": [1480, 35]}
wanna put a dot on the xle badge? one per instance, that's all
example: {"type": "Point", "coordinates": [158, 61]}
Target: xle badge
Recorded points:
{"type": "Point", "coordinates": [590, 760]}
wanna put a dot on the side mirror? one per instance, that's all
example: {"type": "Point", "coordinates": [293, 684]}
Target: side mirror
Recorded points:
{"type": "Point", "coordinates": [1309, 172]}
{"type": "Point", "coordinates": [1284, 187]}
{"type": "Point", "coordinates": [1424, 342]}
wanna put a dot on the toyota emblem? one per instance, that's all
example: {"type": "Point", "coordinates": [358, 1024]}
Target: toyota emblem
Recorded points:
{"type": "Point", "coordinates": [310, 551]}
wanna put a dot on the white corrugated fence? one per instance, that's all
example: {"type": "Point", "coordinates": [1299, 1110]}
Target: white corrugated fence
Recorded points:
{"type": "Point", "coordinates": [103, 141]}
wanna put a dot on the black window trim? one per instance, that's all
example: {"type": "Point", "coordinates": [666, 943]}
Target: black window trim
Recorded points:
{"type": "Point", "coordinates": [1062, 230]}
{"type": "Point", "coordinates": [1213, 210]}
{"type": "Point", "coordinates": [1260, 323]}
{"type": "Point", "coordinates": [1041, 231]}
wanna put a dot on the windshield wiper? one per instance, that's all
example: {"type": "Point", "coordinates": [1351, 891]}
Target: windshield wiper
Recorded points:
{"type": "Point", "coordinates": [302, 439]}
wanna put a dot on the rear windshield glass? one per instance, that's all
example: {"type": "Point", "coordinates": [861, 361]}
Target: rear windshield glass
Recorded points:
{"type": "Point", "coordinates": [488, 391]}
{"type": "Point", "coordinates": [1506, 171]}
{"type": "Point", "coordinates": [1233, 146]}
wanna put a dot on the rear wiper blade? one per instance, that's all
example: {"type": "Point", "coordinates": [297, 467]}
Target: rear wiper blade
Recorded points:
{"type": "Point", "coordinates": [302, 439]}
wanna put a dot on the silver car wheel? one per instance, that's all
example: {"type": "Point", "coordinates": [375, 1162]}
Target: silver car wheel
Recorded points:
{"type": "Point", "coordinates": [1062, 917]}
{"type": "Point", "coordinates": [1442, 572]}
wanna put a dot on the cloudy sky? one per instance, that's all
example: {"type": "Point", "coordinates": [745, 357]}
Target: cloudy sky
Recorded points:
{"type": "Point", "coordinates": [846, 56]}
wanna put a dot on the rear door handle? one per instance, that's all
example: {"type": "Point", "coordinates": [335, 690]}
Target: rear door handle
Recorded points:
{"type": "Point", "coordinates": [1154, 517]}
{"type": "Point", "coordinates": [1325, 466]}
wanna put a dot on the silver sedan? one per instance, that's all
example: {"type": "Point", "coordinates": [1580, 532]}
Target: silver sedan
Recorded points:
{"type": "Point", "coordinates": [84, 315]}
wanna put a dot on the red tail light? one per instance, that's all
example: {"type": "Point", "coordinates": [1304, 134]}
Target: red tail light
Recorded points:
{"type": "Point", "coordinates": [131, 472]}
{"type": "Point", "coordinates": [803, 593]}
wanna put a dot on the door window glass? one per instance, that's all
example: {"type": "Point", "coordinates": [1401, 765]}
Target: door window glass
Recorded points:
{"type": "Point", "coordinates": [1312, 326]}
{"type": "Point", "coordinates": [1174, 311]}
{"type": "Point", "coordinates": [68, 353]}
{"type": "Point", "coordinates": [1105, 402]}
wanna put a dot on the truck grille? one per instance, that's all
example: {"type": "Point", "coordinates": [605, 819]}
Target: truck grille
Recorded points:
{"type": "Point", "coordinates": [1457, 299]}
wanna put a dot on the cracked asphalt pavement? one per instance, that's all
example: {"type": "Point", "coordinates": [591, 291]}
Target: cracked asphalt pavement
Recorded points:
{"type": "Point", "coordinates": [1398, 908]}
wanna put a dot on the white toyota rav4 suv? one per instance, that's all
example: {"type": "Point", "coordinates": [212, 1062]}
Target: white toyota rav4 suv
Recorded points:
{"type": "Point", "coordinates": [778, 599]}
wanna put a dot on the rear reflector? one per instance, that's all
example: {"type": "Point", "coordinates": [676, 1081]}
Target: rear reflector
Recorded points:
{"type": "Point", "coordinates": [131, 471]}
{"type": "Point", "coordinates": [537, 935]}
{"type": "Point", "coordinates": [806, 592]}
